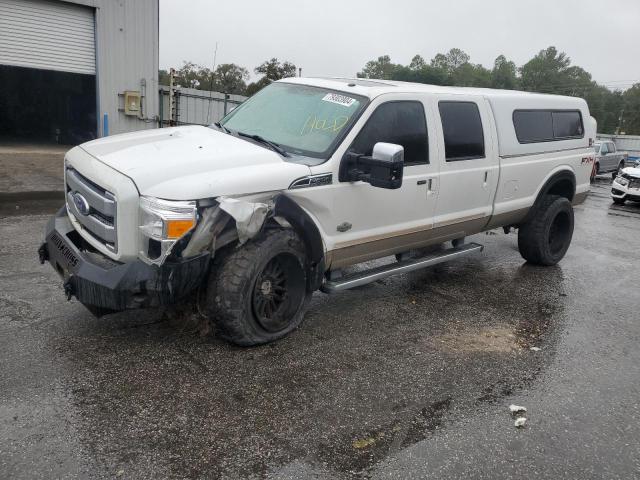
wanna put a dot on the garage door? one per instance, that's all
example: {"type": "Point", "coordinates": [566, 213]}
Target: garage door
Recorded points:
{"type": "Point", "coordinates": [47, 35]}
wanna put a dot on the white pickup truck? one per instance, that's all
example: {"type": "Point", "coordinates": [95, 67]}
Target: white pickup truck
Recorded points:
{"type": "Point", "coordinates": [252, 215]}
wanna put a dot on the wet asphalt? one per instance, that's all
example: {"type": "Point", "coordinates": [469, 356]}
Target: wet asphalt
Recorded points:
{"type": "Point", "coordinates": [410, 377]}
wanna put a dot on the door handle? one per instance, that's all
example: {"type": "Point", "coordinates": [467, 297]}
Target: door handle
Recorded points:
{"type": "Point", "coordinates": [430, 185]}
{"type": "Point", "coordinates": [486, 175]}
{"type": "Point", "coordinates": [421, 182]}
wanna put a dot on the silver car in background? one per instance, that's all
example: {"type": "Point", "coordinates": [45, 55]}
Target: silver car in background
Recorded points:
{"type": "Point", "coordinates": [608, 159]}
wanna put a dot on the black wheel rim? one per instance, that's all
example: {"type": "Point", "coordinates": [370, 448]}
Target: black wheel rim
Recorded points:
{"type": "Point", "coordinates": [559, 232]}
{"type": "Point", "coordinates": [278, 292]}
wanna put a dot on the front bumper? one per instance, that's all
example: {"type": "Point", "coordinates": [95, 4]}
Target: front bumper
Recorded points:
{"type": "Point", "coordinates": [104, 285]}
{"type": "Point", "coordinates": [625, 192]}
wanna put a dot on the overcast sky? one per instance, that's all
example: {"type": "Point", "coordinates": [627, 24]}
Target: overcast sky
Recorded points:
{"type": "Point", "coordinates": [336, 38]}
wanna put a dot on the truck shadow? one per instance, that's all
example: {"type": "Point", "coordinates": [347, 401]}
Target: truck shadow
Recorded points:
{"type": "Point", "coordinates": [371, 372]}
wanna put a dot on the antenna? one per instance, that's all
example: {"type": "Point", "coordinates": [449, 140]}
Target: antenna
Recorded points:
{"type": "Point", "coordinates": [213, 69]}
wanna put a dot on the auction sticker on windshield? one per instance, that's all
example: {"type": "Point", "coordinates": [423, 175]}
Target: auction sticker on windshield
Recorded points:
{"type": "Point", "coordinates": [339, 99]}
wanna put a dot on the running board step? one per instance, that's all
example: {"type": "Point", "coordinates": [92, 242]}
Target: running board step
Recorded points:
{"type": "Point", "coordinates": [362, 278]}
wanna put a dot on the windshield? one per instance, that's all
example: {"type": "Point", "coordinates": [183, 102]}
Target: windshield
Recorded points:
{"type": "Point", "coordinates": [303, 120]}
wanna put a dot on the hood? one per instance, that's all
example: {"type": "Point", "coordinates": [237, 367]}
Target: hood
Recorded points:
{"type": "Point", "coordinates": [188, 163]}
{"type": "Point", "coordinates": [632, 171]}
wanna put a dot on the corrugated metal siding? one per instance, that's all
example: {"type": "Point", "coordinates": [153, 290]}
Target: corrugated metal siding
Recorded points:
{"type": "Point", "coordinates": [127, 49]}
{"type": "Point", "coordinates": [47, 35]}
{"type": "Point", "coordinates": [198, 107]}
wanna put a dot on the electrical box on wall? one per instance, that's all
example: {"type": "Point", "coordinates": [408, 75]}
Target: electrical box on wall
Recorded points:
{"type": "Point", "coordinates": [131, 103]}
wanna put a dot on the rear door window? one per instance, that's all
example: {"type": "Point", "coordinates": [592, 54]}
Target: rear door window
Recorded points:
{"type": "Point", "coordinates": [462, 130]}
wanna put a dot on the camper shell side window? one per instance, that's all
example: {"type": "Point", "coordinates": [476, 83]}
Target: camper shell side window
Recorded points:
{"type": "Point", "coordinates": [536, 126]}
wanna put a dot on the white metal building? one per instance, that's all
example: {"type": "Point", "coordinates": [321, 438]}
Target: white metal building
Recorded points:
{"type": "Point", "coordinates": [77, 69]}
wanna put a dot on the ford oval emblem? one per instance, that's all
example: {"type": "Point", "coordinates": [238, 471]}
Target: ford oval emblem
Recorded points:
{"type": "Point", "coordinates": [81, 203]}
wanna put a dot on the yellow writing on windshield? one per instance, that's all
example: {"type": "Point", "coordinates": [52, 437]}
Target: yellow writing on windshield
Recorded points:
{"type": "Point", "coordinates": [323, 124]}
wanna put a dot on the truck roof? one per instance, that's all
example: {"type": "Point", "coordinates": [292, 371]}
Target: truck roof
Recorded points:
{"type": "Point", "coordinates": [373, 87]}
{"type": "Point", "coordinates": [503, 104]}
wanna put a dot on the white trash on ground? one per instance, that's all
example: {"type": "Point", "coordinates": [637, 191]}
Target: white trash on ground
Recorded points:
{"type": "Point", "coordinates": [520, 421]}
{"type": "Point", "coordinates": [517, 408]}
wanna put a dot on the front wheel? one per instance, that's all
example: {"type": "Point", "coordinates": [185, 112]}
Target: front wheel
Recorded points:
{"type": "Point", "coordinates": [257, 292]}
{"type": "Point", "coordinates": [619, 201]}
{"type": "Point", "coordinates": [546, 237]}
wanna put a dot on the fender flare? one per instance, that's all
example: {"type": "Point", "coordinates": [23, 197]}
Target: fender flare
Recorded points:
{"type": "Point", "coordinates": [562, 182]}
{"type": "Point", "coordinates": [304, 225]}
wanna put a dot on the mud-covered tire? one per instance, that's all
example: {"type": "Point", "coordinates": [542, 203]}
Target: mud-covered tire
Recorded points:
{"type": "Point", "coordinates": [246, 283]}
{"type": "Point", "coordinates": [545, 238]}
{"type": "Point", "coordinates": [619, 201]}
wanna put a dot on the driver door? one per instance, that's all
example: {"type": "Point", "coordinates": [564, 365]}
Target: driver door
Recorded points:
{"type": "Point", "coordinates": [368, 222]}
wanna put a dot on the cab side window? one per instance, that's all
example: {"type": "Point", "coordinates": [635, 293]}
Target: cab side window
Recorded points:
{"type": "Point", "coordinates": [611, 147]}
{"type": "Point", "coordinates": [462, 129]}
{"type": "Point", "coordinates": [603, 149]}
{"type": "Point", "coordinates": [398, 122]}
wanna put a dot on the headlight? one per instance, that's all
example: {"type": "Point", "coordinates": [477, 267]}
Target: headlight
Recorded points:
{"type": "Point", "coordinates": [162, 223]}
{"type": "Point", "coordinates": [622, 181]}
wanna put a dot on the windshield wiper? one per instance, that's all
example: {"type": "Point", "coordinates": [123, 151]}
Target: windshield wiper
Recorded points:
{"type": "Point", "coordinates": [222, 127]}
{"type": "Point", "coordinates": [274, 146]}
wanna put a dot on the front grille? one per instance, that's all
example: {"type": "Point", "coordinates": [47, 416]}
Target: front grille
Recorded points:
{"type": "Point", "coordinates": [93, 207]}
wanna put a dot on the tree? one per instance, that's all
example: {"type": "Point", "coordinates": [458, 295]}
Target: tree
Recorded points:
{"type": "Point", "coordinates": [451, 61]}
{"type": "Point", "coordinates": [274, 70]}
{"type": "Point", "coordinates": [381, 68]}
{"type": "Point", "coordinates": [191, 75]}
{"type": "Point", "coordinates": [471, 75]}
{"type": "Point", "coordinates": [503, 74]}
{"type": "Point", "coordinates": [417, 63]}
{"type": "Point", "coordinates": [227, 78]}
{"type": "Point", "coordinates": [631, 114]}
{"type": "Point", "coordinates": [230, 78]}
{"type": "Point", "coordinates": [163, 77]}
{"type": "Point", "coordinates": [546, 72]}
{"type": "Point", "coordinates": [255, 87]}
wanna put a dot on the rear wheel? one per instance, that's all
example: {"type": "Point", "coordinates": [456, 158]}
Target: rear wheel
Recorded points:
{"type": "Point", "coordinates": [545, 238]}
{"type": "Point", "coordinates": [257, 293]}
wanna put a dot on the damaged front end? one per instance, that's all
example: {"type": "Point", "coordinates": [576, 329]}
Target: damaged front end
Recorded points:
{"type": "Point", "coordinates": [106, 286]}
{"type": "Point", "coordinates": [172, 263]}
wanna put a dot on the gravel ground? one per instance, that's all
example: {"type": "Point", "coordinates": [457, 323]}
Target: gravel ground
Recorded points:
{"type": "Point", "coordinates": [405, 378]}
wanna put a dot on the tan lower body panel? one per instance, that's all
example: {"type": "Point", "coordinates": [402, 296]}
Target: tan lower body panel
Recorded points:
{"type": "Point", "coordinates": [507, 218]}
{"type": "Point", "coordinates": [377, 247]}
{"type": "Point", "coordinates": [382, 247]}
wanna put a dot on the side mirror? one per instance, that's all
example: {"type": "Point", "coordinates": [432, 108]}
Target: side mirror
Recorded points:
{"type": "Point", "coordinates": [383, 169]}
